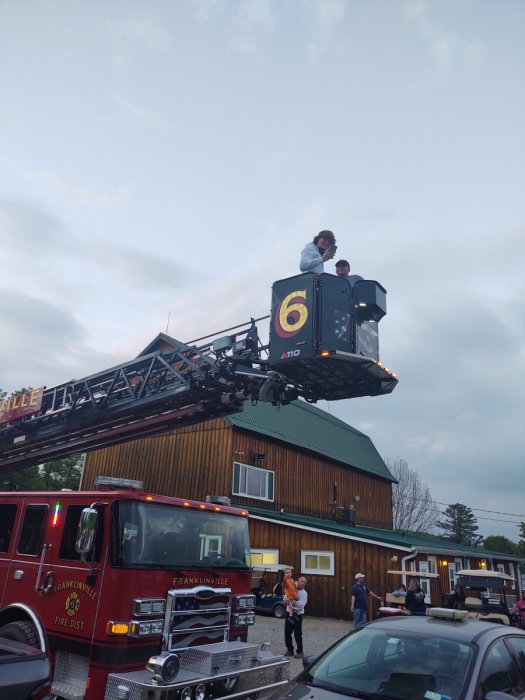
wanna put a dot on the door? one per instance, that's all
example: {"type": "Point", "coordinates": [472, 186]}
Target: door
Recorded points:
{"type": "Point", "coordinates": [425, 582]}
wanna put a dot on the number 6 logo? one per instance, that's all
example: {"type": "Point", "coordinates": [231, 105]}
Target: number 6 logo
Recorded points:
{"type": "Point", "coordinates": [291, 314]}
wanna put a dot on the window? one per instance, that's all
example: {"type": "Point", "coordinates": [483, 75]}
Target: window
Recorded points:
{"type": "Point", "coordinates": [432, 565]}
{"type": "Point", "coordinates": [69, 535]}
{"type": "Point", "coordinates": [517, 644]}
{"type": "Point", "coordinates": [262, 557]}
{"type": "Point", "coordinates": [252, 481]}
{"type": "Point", "coordinates": [7, 520]}
{"type": "Point", "coordinates": [467, 563]}
{"type": "Point", "coordinates": [499, 672]}
{"type": "Point", "coordinates": [317, 563]}
{"type": "Point", "coordinates": [33, 528]}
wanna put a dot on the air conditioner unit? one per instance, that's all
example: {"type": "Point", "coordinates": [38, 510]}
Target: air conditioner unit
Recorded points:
{"type": "Point", "coordinates": [350, 516]}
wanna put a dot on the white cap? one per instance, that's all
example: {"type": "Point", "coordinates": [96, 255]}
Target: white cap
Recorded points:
{"type": "Point", "coordinates": [359, 576]}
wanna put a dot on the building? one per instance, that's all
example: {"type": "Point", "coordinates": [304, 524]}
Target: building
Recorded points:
{"type": "Point", "coordinates": [318, 493]}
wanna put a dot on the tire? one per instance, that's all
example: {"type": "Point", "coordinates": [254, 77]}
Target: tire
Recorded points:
{"type": "Point", "coordinates": [225, 687]}
{"type": "Point", "coordinates": [279, 611]}
{"type": "Point", "coordinates": [20, 631]}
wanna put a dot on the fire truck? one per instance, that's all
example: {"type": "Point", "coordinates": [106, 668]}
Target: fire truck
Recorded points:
{"type": "Point", "coordinates": [106, 580]}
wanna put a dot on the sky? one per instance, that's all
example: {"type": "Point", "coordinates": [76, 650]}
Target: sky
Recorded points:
{"type": "Point", "coordinates": [163, 163]}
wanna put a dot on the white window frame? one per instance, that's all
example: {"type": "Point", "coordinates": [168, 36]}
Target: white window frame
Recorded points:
{"type": "Point", "coordinates": [425, 582]}
{"type": "Point", "coordinates": [467, 563]}
{"type": "Point", "coordinates": [206, 545]}
{"type": "Point", "coordinates": [269, 478]}
{"type": "Point", "coordinates": [316, 571]}
{"type": "Point", "coordinates": [432, 564]}
{"type": "Point", "coordinates": [274, 553]}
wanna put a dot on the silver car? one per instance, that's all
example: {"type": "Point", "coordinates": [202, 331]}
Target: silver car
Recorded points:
{"type": "Point", "coordinates": [443, 656]}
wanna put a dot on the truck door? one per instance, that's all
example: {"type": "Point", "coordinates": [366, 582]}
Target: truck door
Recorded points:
{"type": "Point", "coordinates": [48, 575]}
{"type": "Point", "coordinates": [7, 528]}
{"type": "Point", "coordinates": [71, 586]}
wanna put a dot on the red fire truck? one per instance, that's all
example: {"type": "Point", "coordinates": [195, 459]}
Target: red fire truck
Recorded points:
{"type": "Point", "coordinates": [109, 581]}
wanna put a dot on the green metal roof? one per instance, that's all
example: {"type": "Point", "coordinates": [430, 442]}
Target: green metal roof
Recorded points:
{"type": "Point", "coordinates": [391, 538]}
{"type": "Point", "coordinates": [310, 428]}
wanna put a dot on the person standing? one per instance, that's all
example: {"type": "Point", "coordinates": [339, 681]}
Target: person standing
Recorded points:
{"type": "Point", "coordinates": [520, 607]}
{"type": "Point", "coordinates": [293, 626]}
{"type": "Point", "coordinates": [360, 591]}
{"type": "Point", "coordinates": [316, 253]}
{"type": "Point", "coordinates": [415, 598]}
{"type": "Point", "coordinates": [342, 269]}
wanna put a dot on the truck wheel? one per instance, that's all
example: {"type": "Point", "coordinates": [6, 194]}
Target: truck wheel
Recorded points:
{"type": "Point", "coordinates": [279, 611]}
{"type": "Point", "coordinates": [225, 687]}
{"type": "Point", "coordinates": [20, 631]}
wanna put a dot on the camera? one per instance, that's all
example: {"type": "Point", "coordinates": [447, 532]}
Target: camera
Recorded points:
{"type": "Point", "coordinates": [332, 248]}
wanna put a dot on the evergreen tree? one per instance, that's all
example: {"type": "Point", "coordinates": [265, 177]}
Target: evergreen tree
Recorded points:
{"type": "Point", "coordinates": [460, 525]}
{"type": "Point", "coordinates": [499, 543]}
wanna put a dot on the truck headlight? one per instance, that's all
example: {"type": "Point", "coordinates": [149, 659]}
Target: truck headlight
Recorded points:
{"type": "Point", "coordinates": [164, 667]}
{"type": "Point", "coordinates": [245, 601]}
{"type": "Point", "coordinates": [243, 619]}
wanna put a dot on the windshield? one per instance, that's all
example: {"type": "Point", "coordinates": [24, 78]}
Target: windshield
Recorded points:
{"type": "Point", "coordinates": [152, 535]}
{"type": "Point", "coordinates": [393, 664]}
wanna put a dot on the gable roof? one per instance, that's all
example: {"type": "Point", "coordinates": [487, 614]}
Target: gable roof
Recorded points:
{"type": "Point", "coordinates": [310, 428]}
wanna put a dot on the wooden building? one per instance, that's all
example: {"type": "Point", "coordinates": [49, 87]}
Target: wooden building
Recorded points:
{"type": "Point", "coordinates": [318, 493]}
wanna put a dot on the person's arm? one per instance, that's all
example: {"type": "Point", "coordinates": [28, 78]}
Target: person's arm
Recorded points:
{"type": "Point", "coordinates": [352, 603]}
{"type": "Point", "coordinates": [377, 597]}
{"type": "Point", "coordinates": [300, 603]}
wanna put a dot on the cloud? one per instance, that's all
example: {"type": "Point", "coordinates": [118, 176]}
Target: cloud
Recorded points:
{"type": "Point", "coordinates": [143, 29]}
{"type": "Point", "coordinates": [447, 49]}
{"type": "Point", "coordinates": [42, 343]}
{"type": "Point", "coordinates": [146, 116]}
{"type": "Point", "coordinates": [325, 17]}
{"type": "Point", "coordinates": [68, 188]}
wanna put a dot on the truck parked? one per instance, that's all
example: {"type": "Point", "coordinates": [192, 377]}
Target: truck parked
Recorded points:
{"type": "Point", "coordinates": [131, 594]}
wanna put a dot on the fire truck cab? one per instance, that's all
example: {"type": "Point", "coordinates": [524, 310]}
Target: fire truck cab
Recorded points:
{"type": "Point", "coordinates": [131, 594]}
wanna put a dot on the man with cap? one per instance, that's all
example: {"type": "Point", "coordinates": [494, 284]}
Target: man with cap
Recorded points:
{"type": "Point", "coordinates": [358, 603]}
{"type": "Point", "coordinates": [342, 269]}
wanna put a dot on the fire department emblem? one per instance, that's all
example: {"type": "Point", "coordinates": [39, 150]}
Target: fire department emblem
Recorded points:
{"type": "Point", "coordinates": [72, 604]}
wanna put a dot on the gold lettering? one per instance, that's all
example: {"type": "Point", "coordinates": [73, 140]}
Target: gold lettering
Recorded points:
{"type": "Point", "coordinates": [24, 400]}
{"type": "Point", "coordinates": [34, 396]}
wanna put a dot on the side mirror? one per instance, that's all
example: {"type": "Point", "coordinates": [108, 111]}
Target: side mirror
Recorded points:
{"type": "Point", "coordinates": [87, 527]}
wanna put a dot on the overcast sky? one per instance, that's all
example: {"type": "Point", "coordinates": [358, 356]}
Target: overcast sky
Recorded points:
{"type": "Point", "coordinates": [170, 159]}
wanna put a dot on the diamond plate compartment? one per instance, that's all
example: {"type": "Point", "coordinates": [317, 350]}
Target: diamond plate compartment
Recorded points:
{"type": "Point", "coordinates": [223, 657]}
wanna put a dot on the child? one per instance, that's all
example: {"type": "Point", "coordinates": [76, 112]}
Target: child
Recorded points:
{"type": "Point", "coordinates": [290, 593]}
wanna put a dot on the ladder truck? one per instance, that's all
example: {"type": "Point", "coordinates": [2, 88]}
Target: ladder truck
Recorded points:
{"type": "Point", "coordinates": [126, 591]}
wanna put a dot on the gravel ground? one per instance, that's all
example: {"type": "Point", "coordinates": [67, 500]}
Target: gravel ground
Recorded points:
{"type": "Point", "coordinates": [318, 634]}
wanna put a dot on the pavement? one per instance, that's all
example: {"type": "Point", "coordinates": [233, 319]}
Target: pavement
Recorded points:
{"type": "Point", "coordinates": [318, 634]}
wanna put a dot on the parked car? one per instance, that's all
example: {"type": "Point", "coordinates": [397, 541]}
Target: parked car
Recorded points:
{"type": "Point", "coordinates": [269, 602]}
{"type": "Point", "coordinates": [445, 655]}
{"type": "Point", "coordinates": [24, 671]}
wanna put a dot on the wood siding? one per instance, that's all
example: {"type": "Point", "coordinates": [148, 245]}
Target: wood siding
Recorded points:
{"type": "Point", "coordinates": [304, 482]}
{"type": "Point", "coordinates": [327, 595]}
{"type": "Point", "coordinates": [197, 461]}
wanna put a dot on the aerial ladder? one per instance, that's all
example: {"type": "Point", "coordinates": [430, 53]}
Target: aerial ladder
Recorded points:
{"type": "Point", "coordinates": [323, 345]}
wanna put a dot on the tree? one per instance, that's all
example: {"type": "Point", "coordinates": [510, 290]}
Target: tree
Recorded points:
{"type": "Point", "coordinates": [412, 506]}
{"type": "Point", "coordinates": [52, 476]}
{"type": "Point", "coordinates": [499, 543]}
{"type": "Point", "coordinates": [460, 525]}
